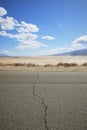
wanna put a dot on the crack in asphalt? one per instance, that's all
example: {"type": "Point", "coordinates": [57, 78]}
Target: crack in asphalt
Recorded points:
{"type": "Point", "coordinates": [42, 101]}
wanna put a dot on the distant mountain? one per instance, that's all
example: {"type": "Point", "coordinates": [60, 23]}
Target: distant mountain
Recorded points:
{"type": "Point", "coordinates": [3, 55]}
{"type": "Point", "coordinates": [82, 52]}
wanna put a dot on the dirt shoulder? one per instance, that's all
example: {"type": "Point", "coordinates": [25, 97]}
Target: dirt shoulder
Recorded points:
{"type": "Point", "coordinates": [44, 69]}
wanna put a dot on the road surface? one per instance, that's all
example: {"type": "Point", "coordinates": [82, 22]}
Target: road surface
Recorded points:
{"type": "Point", "coordinates": [43, 101]}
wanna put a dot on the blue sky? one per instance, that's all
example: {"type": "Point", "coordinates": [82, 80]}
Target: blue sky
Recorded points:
{"type": "Point", "coordinates": [42, 27]}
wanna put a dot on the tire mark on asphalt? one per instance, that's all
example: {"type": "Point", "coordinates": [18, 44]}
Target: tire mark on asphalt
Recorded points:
{"type": "Point", "coordinates": [41, 100]}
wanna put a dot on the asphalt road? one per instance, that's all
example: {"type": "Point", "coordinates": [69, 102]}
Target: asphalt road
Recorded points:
{"type": "Point", "coordinates": [43, 101]}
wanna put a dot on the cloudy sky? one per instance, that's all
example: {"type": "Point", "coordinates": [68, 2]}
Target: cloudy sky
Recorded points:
{"type": "Point", "coordinates": [42, 27]}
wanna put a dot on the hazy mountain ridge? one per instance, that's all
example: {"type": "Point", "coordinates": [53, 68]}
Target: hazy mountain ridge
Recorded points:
{"type": "Point", "coordinates": [81, 52]}
{"type": "Point", "coordinates": [3, 55]}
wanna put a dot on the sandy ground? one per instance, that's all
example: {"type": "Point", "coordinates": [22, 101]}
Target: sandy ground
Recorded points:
{"type": "Point", "coordinates": [41, 61]}
{"type": "Point", "coordinates": [45, 60]}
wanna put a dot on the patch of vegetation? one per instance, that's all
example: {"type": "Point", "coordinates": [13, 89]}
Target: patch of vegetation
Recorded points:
{"type": "Point", "coordinates": [18, 64]}
{"type": "Point", "coordinates": [67, 64]}
{"type": "Point", "coordinates": [1, 64]}
{"type": "Point", "coordinates": [31, 65]}
{"type": "Point", "coordinates": [48, 65]}
{"type": "Point", "coordinates": [84, 64]}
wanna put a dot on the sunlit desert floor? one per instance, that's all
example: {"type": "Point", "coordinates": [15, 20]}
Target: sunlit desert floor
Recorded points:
{"type": "Point", "coordinates": [46, 63]}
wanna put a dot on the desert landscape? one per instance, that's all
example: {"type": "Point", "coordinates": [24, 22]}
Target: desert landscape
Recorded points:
{"type": "Point", "coordinates": [45, 63]}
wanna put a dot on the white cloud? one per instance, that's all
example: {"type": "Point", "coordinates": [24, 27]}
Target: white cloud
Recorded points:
{"type": "Point", "coordinates": [27, 28]}
{"type": "Point", "coordinates": [48, 38]}
{"type": "Point", "coordinates": [5, 52]}
{"type": "Point", "coordinates": [30, 44]}
{"type": "Point", "coordinates": [77, 44]}
{"type": "Point", "coordinates": [20, 36]}
{"type": "Point", "coordinates": [57, 50]}
{"type": "Point", "coordinates": [8, 23]}
{"type": "Point", "coordinates": [2, 11]}
{"type": "Point", "coordinates": [81, 40]}
{"type": "Point", "coordinates": [2, 33]}
{"type": "Point", "coordinates": [27, 40]}
{"type": "Point", "coordinates": [24, 32]}
{"type": "Point", "coordinates": [25, 37]}
{"type": "Point", "coordinates": [5, 34]}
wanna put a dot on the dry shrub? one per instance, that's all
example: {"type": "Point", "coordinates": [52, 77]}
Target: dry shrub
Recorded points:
{"type": "Point", "coordinates": [73, 64]}
{"type": "Point", "coordinates": [1, 64]}
{"type": "Point", "coordinates": [67, 64]}
{"type": "Point", "coordinates": [8, 64]}
{"type": "Point", "coordinates": [84, 64]}
{"type": "Point", "coordinates": [48, 65]}
{"type": "Point", "coordinates": [18, 64]}
{"type": "Point", "coordinates": [31, 65]}
{"type": "Point", "coordinates": [60, 64]}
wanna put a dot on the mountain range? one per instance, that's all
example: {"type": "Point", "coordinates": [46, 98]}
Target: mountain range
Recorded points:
{"type": "Point", "coordinates": [81, 52]}
{"type": "Point", "coordinates": [3, 55]}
